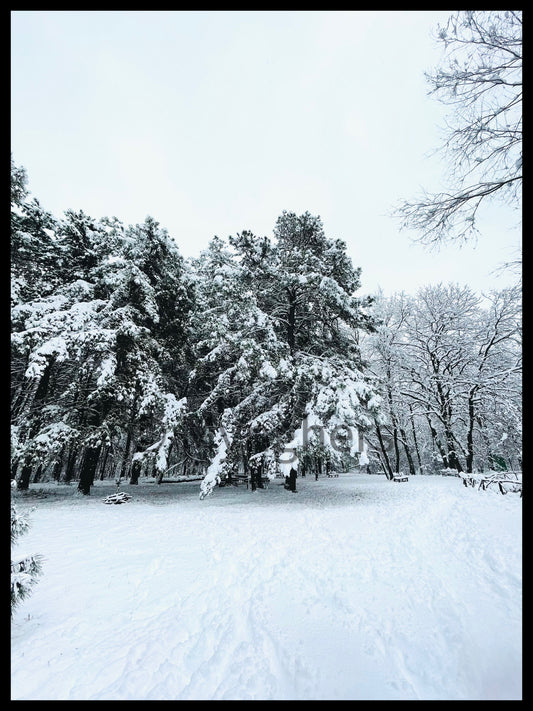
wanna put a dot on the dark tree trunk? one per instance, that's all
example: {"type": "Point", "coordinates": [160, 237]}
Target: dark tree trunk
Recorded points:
{"type": "Point", "coordinates": [71, 461]}
{"type": "Point", "coordinates": [126, 461]}
{"type": "Point", "coordinates": [407, 452]}
{"type": "Point", "coordinates": [437, 442]}
{"type": "Point", "coordinates": [388, 469]}
{"type": "Point", "coordinates": [88, 469]}
{"type": "Point", "coordinates": [318, 467]}
{"type": "Point", "coordinates": [394, 431]}
{"type": "Point", "coordinates": [453, 459]}
{"type": "Point", "coordinates": [396, 450]}
{"type": "Point", "coordinates": [103, 463]}
{"type": "Point", "coordinates": [44, 382]}
{"type": "Point", "coordinates": [417, 450]}
{"type": "Point", "coordinates": [292, 480]}
{"type": "Point", "coordinates": [23, 482]}
{"type": "Point", "coordinates": [135, 471]}
{"type": "Point", "coordinates": [470, 432]}
{"type": "Point", "coordinates": [56, 472]}
{"type": "Point", "coordinates": [255, 477]}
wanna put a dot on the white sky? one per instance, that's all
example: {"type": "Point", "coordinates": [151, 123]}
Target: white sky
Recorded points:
{"type": "Point", "coordinates": [213, 122]}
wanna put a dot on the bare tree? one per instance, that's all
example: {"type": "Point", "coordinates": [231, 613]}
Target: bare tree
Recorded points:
{"type": "Point", "coordinates": [449, 371]}
{"type": "Point", "coordinates": [482, 81]}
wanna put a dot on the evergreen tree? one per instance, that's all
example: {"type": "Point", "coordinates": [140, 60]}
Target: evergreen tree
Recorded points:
{"type": "Point", "coordinates": [24, 571]}
{"type": "Point", "coordinates": [97, 360]}
{"type": "Point", "coordinates": [281, 329]}
{"type": "Point", "coordinates": [33, 243]}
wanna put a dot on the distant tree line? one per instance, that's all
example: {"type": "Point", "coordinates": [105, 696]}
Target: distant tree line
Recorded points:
{"type": "Point", "coordinates": [449, 364]}
{"type": "Point", "coordinates": [128, 360]}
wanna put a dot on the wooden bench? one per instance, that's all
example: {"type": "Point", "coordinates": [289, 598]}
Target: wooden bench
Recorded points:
{"type": "Point", "coordinates": [237, 479]}
{"type": "Point", "coordinates": [400, 477]}
{"type": "Point", "coordinates": [234, 480]}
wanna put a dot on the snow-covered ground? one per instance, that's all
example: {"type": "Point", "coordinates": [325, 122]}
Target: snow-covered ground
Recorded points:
{"type": "Point", "coordinates": [351, 588]}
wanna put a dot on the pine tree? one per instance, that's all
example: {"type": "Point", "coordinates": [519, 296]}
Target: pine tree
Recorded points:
{"type": "Point", "coordinates": [33, 243]}
{"type": "Point", "coordinates": [280, 328]}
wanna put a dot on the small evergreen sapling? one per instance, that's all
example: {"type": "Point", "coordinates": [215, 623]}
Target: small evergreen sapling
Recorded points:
{"type": "Point", "coordinates": [25, 570]}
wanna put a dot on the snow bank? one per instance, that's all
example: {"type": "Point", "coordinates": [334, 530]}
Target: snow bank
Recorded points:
{"type": "Point", "coordinates": [354, 588]}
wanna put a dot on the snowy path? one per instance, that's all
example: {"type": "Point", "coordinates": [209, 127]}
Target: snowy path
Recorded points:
{"type": "Point", "coordinates": [353, 588]}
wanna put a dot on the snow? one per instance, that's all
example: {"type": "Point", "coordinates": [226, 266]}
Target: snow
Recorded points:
{"type": "Point", "coordinates": [212, 477]}
{"type": "Point", "coordinates": [353, 588]}
{"type": "Point", "coordinates": [107, 371]}
{"type": "Point", "coordinates": [268, 370]}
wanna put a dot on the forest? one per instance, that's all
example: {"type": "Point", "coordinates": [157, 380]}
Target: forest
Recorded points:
{"type": "Point", "coordinates": [130, 361]}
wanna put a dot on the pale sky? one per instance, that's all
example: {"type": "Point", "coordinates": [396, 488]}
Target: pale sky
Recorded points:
{"type": "Point", "coordinates": [214, 122]}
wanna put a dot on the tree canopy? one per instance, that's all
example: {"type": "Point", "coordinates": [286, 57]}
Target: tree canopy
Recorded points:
{"type": "Point", "coordinates": [128, 359]}
{"type": "Point", "coordinates": [481, 80]}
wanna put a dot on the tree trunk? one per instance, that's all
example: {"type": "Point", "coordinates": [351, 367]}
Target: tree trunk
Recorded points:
{"type": "Point", "coordinates": [388, 469]}
{"type": "Point", "coordinates": [126, 461]}
{"type": "Point", "coordinates": [71, 461]}
{"type": "Point", "coordinates": [407, 452]}
{"type": "Point", "coordinates": [56, 472]}
{"type": "Point", "coordinates": [318, 467]}
{"type": "Point", "coordinates": [161, 473]}
{"type": "Point", "coordinates": [415, 440]}
{"type": "Point", "coordinates": [40, 394]}
{"type": "Point", "coordinates": [88, 469]}
{"type": "Point", "coordinates": [23, 482]}
{"type": "Point", "coordinates": [394, 429]}
{"type": "Point", "coordinates": [453, 459]}
{"type": "Point", "coordinates": [383, 465]}
{"type": "Point", "coordinates": [255, 477]}
{"type": "Point", "coordinates": [135, 471]}
{"type": "Point", "coordinates": [396, 450]}
{"type": "Point", "coordinates": [292, 480]}
{"type": "Point", "coordinates": [470, 433]}
{"type": "Point", "coordinates": [437, 442]}
{"type": "Point", "coordinates": [44, 382]}
{"type": "Point", "coordinates": [103, 463]}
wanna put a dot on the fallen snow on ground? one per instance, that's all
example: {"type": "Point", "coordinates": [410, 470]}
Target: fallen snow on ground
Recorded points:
{"type": "Point", "coordinates": [352, 588]}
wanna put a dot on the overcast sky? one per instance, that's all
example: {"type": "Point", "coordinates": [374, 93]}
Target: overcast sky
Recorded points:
{"type": "Point", "coordinates": [216, 122]}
